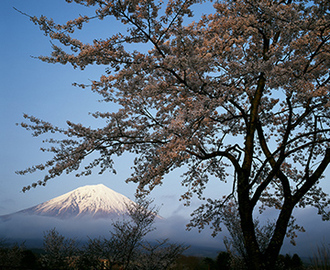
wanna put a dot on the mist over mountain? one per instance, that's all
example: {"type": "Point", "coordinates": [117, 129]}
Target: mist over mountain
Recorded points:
{"type": "Point", "coordinates": [93, 201]}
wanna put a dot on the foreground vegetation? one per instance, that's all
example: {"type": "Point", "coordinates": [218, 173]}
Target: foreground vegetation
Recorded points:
{"type": "Point", "coordinates": [65, 255]}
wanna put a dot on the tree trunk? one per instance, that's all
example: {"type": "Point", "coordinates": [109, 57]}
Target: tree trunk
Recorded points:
{"type": "Point", "coordinates": [254, 256]}
{"type": "Point", "coordinates": [253, 259]}
{"type": "Point", "coordinates": [276, 242]}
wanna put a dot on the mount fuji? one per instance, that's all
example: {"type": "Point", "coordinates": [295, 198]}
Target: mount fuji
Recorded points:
{"type": "Point", "coordinates": [95, 201]}
{"type": "Point", "coordinates": [86, 213]}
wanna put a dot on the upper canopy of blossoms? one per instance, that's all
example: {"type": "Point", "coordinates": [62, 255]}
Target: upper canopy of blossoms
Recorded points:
{"type": "Point", "coordinates": [246, 86]}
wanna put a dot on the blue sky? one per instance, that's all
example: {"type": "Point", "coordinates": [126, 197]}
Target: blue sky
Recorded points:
{"type": "Point", "coordinates": [45, 90]}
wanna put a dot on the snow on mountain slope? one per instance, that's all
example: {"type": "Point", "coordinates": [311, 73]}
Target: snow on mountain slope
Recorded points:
{"type": "Point", "coordinates": [97, 201]}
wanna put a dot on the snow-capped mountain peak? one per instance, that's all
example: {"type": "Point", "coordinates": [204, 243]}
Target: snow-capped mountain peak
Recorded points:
{"type": "Point", "coordinates": [93, 200]}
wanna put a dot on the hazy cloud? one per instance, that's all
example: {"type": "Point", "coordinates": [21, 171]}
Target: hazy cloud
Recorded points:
{"type": "Point", "coordinates": [33, 227]}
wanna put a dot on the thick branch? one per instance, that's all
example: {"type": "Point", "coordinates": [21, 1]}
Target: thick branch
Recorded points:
{"type": "Point", "coordinates": [311, 181]}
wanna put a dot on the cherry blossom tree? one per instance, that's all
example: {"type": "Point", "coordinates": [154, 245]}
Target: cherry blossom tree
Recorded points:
{"type": "Point", "coordinates": [59, 251]}
{"type": "Point", "coordinates": [244, 87]}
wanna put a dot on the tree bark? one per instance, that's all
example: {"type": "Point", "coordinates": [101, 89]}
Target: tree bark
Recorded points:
{"type": "Point", "coordinates": [253, 259]}
{"type": "Point", "coordinates": [274, 247]}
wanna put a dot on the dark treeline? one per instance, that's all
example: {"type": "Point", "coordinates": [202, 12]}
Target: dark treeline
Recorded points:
{"type": "Point", "coordinates": [63, 254]}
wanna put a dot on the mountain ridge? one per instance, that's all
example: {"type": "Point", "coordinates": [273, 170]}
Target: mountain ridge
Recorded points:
{"type": "Point", "coordinates": [95, 201]}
